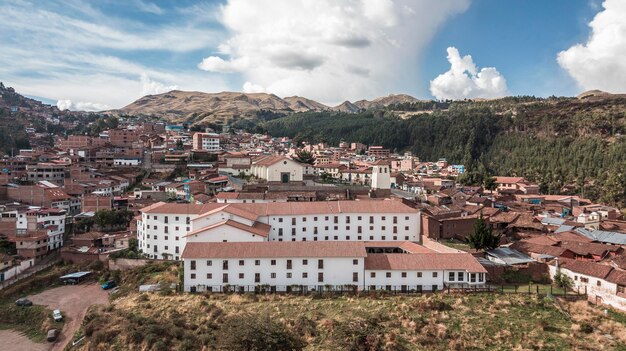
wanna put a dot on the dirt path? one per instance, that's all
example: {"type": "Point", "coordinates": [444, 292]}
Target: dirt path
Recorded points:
{"type": "Point", "coordinates": [15, 341]}
{"type": "Point", "coordinates": [73, 301]}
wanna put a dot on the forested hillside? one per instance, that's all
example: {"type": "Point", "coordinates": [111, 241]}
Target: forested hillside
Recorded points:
{"type": "Point", "coordinates": [566, 144]}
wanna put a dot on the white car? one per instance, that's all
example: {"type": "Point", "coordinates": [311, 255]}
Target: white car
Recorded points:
{"type": "Point", "coordinates": [56, 314]}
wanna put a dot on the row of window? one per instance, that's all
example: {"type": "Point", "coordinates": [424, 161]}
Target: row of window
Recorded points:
{"type": "Point", "coordinates": [336, 219]}
{"type": "Point", "coordinates": [347, 237]}
{"type": "Point", "coordinates": [166, 218]}
{"type": "Point", "coordinates": [257, 276]}
{"type": "Point", "coordinates": [359, 229]}
{"type": "Point", "coordinates": [166, 228]}
{"type": "Point", "coordinates": [289, 263]}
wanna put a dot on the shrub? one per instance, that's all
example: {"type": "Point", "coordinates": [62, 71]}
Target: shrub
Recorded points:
{"type": "Point", "coordinates": [586, 328]}
{"type": "Point", "coordinates": [254, 332]}
{"type": "Point", "coordinates": [360, 334]}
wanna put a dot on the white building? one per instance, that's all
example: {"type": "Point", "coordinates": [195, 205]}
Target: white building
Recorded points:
{"type": "Point", "coordinates": [603, 284]}
{"type": "Point", "coordinates": [206, 141]}
{"type": "Point", "coordinates": [50, 219]}
{"type": "Point", "coordinates": [164, 228]}
{"type": "Point", "coordinates": [128, 162]}
{"type": "Point", "coordinates": [381, 175]}
{"type": "Point", "coordinates": [285, 266]}
{"type": "Point", "coordinates": [277, 169]}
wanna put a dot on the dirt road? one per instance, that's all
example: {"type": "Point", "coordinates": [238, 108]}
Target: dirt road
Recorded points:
{"type": "Point", "coordinates": [73, 301]}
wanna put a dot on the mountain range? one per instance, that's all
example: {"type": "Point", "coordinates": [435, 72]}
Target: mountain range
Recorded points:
{"type": "Point", "coordinates": [224, 107]}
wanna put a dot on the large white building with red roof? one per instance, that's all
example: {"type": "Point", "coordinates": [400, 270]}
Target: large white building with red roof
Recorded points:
{"type": "Point", "coordinates": [165, 228]}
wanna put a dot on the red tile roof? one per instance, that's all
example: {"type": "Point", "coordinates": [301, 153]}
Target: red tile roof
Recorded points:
{"type": "Point", "coordinates": [426, 261]}
{"type": "Point", "coordinates": [257, 228]}
{"type": "Point", "coordinates": [587, 268]}
{"type": "Point", "coordinates": [273, 249]}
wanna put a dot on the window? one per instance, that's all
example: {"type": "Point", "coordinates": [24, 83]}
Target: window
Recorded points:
{"type": "Point", "coordinates": [419, 274]}
{"type": "Point", "coordinates": [257, 262]}
{"type": "Point", "coordinates": [314, 219]}
{"type": "Point", "coordinates": [315, 230]}
{"type": "Point", "coordinates": [621, 289]}
{"type": "Point", "coordinates": [320, 277]}
{"type": "Point", "coordinates": [305, 275]}
{"type": "Point", "coordinates": [382, 228]}
{"type": "Point", "coordinates": [406, 218]}
{"type": "Point", "coordinates": [177, 238]}
{"type": "Point", "coordinates": [320, 264]}
{"type": "Point", "coordinates": [383, 218]}
{"type": "Point", "coordinates": [288, 275]}
{"type": "Point", "coordinates": [371, 227]}
{"type": "Point", "coordinates": [225, 278]}
{"type": "Point", "coordinates": [460, 276]}
{"type": "Point", "coordinates": [584, 280]}
{"type": "Point", "coordinates": [176, 218]}
{"type": "Point", "coordinates": [347, 227]}
{"type": "Point", "coordinates": [289, 264]}
{"type": "Point", "coordinates": [303, 229]}
{"type": "Point", "coordinates": [225, 264]}
{"type": "Point", "coordinates": [280, 220]}
{"type": "Point", "coordinates": [451, 276]}
{"type": "Point", "coordinates": [293, 231]}
{"type": "Point", "coordinates": [336, 219]}
{"type": "Point", "coordinates": [435, 274]}
{"type": "Point", "coordinates": [209, 263]}
{"type": "Point", "coordinates": [372, 274]}
{"type": "Point", "coordinates": [305, 262]}
{"type": "Point", "coordinates": [241, 262]}
{"type": "Point", "coordinates": [193, 265]}
{"type": "Point", "coordinates": [348, 219]}
{"type": "Point", "coordinates": [395, 230]}
{"type": "Point", "coordinates": [166, 231]}
{"type": "Point", "coordinates": [371, 219]}
{"type": "Point", "coordinates": [273, 262]}
{"type": "Point", "coordinates": [336, 237]}
{"type": "Point", "coordinates": [598, 283]}
{"type": "Point", "coordinates": [326, 228]}
{"type": "Point", "coordinates": [388, 274]}
{"type": "Point", "coordinates": [273, 275]}
{"type": "Point", "coordinates": [355, 262]}
{"type": "Point", "coordinates": [177, 250]}
{"type": "Point", "coordinates": [326, 218]}
{"type": "Point", "coordinates": [293, 221]}
{"type": "Point", "coordinates": [193, 275]}
{"type": "Point", "coordinates": [209, 275]}
{"type": "Point", "coordinates": [303, 219]}
{"type": "Point", "coordinates": [359, 229]}
{"type": "Point", "coordinates": [240, 275]}
{"type": "Point", "coordinates": [257, 277]}
{"type": "Point", "coordinates": [355, 276]}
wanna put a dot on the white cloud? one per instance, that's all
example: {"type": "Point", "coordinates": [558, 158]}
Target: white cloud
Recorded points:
{"type": "Point", "coordinates": [329, 50]}
{"type": "Point", "coordinates": [249, 87]}
{"type": "Point", "coordinates": [80, 106]}
{"type": "Point", "coordinates": [149, 7]}
{"type": "Point", "coordinates": [465, 81]}
{"type": "Point", "coordinates": [151, 87]}
{"type": "Point", "coordinates": [599, 63]}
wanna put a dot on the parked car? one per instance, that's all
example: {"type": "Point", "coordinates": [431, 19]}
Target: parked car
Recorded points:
{"type": "Point", "coordinates": [23, 302]}
{"type": "Point", "coordinates": [52, 335]}
{"type": "Point", "coordinates": [56, 314]}
{"type": "Point", "coordinates": [108, 285]}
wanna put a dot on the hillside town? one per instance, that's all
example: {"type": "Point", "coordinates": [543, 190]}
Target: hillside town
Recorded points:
{"type": "Point", "coordinates": [244, 212]}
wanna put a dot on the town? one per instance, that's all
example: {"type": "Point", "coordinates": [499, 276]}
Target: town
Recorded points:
{"type": "Point", "coordinates": [245, 212]}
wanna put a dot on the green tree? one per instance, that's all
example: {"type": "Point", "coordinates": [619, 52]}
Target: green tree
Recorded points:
{"type": "Point", "coordinates": [489, 183]}
{"type": "Point", "coordinates": [482, 237]}
{"type": "Point", "coordinates": [563, 281]}
{"type": "Point", "coordinates": [179, 144]}
{"type": "Point", "coordinates": [305, 157]}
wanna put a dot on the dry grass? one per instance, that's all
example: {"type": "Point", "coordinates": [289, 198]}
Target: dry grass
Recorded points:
{"type": "Point", "coordinates": [429, 322]}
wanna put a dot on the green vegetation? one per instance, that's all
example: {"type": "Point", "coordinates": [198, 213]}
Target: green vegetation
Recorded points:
{"type": "Point", "coordinates": [482, 237]}
{"type": "Point", "coordinates": [12, 135]}
{"type": "Point", "coordinates": [109, 220]}
{"type": "Point", "coordinates": [563, 281]}
{"type": "Point", "coordinates": [564, 144]}
{"type": "Point", "coordinates": [306, 157]}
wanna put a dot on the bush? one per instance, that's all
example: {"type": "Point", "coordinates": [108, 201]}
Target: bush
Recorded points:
{"type": "Point", "coordinates": [586, 328]}
{"type": "Point", "coordinates": [254, 332]}
{"type": "Point", "coordinates": [360, 334]}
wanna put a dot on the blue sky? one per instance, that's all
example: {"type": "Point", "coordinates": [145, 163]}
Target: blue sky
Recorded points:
{"type": "Point", "coordinates": [90, 55]}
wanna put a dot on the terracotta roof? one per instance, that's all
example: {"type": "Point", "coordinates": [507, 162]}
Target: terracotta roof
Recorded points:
{"type": "Point", "coordinates": [407, 246]}
{"type": "Point", "coordinates": [227, 195]}
{"type": "Point", "coordinates": [617, 277]}
{"type": "Point", "coordinates": [509, 180]}
{"type": "Point", "coordinates": [176, 208]}
{"type": "Point", "coordinates": [583, 267]}
{"type": "Point", "coordinates": [257, 228]}
{"type": "Point", "coordinates": [504, 217]}
{"type": "Point", "coordinates": [424, 261]}
{"type": "Point", "coordinates": [582, 248]}
{"type": "Point", "coordinates": [272, 249]}
{"type": "Point", "coordinates": [528, 247]}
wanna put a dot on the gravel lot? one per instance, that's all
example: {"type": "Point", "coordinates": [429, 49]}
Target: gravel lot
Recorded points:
{"type": "Point", "coordinates": [73, 301]}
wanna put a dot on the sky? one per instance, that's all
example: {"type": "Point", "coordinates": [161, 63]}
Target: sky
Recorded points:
{"type": "Point", "coordinates": [98, 55]}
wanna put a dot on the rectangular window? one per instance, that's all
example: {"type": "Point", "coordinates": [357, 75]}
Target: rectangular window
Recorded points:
{"type": "Point", "coordinates": [289, 275]}
{"type": "Point", "coordinates": [358, 218]}
{"type": "Point", "coordinates": [240, 275]}
{"type": "Point", "coordinates": [273, 262]}
{"type": "Point", "coordinates": [314, 219]}
{"type": "Point", "coordinates": [395, 230]}
{"type": "Point", "coordinates": [336, 219]}
{"type": "Point", "coordinates": [355, 262]}
{"type": "Point", "coordinates": [209, 275]}
{"type": "Point", "coordinates": [273, 275]}
{"type": "Point", "coordinates": [289, 264]}
{"type": "Point", "coordinates": [388, 274]}
{"type": "Point", "coordinates": [192, 265]}
{"type": "Point", "coordinates": [241, 262]}
{"type": "Point", "coordinates": [257, 277]}
{"type": "Point", "coordinates": [303, 219]}
{"type": "Point", "coordinates": [193, 275]}
{"type": "Point", "coordinates": [320, 277]}
{"type": "Point", "coordinates": [383, 218]}
{"type": "Point", "coordinates": [359, 229]}
{"type": "Point", "coordinates": [209, 263]}
{"type": "Point", "coordinates": [305, 275]}
{"type": "Point", "coordinates": [348, 219]}
{"type": "Point", "coordinates": [419, 274]}
{"type": "Point", "coordinates": [225, 278]}
{"type": "Point", "coordinates": [373, 275]}
{"type": "Point", "coordinates": [584, 280]}
{"type": "Point", "coordinates": [315, 230]}
{"type": "Point", "coordinates": [305, 262]}
{"type": "Point", "coordinates": [355, 276]}
{"type": "Point", "coordinates": [280, 220]}
{"type": "Point", "coordinates": [371, 219]}
{"type": "Point", "coordinates": [395, 219]}
{"type": "Point", "coordinates": [459, 276]}
{"type": "Point", "coordinates": [257, 262]}
{"type": "Point", "coordinates": [320, 264]}
{"type": "Point", "coordinates": [435, 274]}
{"type": "Point", "coordinates": [403, 274]}
{"type": "Point", "coordinates": [451, 276]}
{"type": "Point", "coordinates": [225, 264]}
{"type": "Point", "coordinates": [293, 231]}
{"type": "Point", "coordinates": [293, 221]}
{"type": "Point", "coordinates": [280, 231]}
{"type": "Point", "coordinates": [166, 231]}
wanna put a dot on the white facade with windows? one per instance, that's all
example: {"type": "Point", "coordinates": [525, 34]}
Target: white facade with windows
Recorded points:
{"type": "Point", "coordinates": [285, 266]}
{"type": "Point", "coordinates": [164, 228]}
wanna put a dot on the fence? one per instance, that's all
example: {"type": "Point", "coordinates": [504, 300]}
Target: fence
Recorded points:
{"type": "Point", "coordinates": [541, 290]}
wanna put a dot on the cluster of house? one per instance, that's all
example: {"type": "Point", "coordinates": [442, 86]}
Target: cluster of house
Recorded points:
{"type": "Point", "coordinates": [243, 213]}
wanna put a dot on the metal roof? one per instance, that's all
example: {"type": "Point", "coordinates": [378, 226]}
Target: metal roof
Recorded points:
{"type": "Point", "coordinates": [564, 228]}
{"type": "Point", "coordinates": [509, 256]}
{"type": "Point", "coordinates": [552, 221]}
{"type": "Point", "coordinates": [604, 236]}
{"type": "Point", "coordinates": [75, 275]}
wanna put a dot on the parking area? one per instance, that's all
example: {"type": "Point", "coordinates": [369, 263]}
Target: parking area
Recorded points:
{"type": "Point", "coordinates": [73, 301]}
